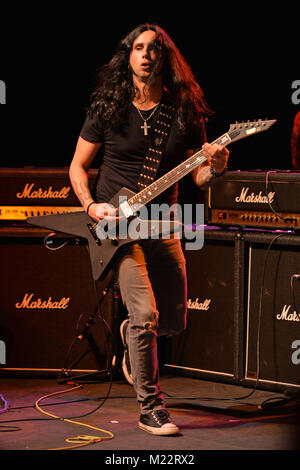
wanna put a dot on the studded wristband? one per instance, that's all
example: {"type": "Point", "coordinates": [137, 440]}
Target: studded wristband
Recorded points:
{"type": "Point", "coordinates": [215, 173]}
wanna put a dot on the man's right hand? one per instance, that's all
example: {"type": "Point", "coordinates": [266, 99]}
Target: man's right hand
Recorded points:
{"type": "Point", "coordinates": [103, 210]}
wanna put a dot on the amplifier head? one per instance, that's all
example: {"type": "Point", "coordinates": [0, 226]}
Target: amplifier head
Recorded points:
{"type": "Point", "coordinates": [255, 199]}
{"type": "Point", "coordinates": [37, 191]}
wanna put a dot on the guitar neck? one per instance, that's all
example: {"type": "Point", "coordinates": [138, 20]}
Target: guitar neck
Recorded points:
{"type": "Point", "coordinates": [163, 183]}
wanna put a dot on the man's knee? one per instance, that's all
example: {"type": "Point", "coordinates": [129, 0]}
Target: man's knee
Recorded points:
{"type": "Point", "coordinates": [152, 322]}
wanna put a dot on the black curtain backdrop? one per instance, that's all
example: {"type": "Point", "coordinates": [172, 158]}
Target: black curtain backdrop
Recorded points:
{"type": "Point", "coordinates": [244, 58]}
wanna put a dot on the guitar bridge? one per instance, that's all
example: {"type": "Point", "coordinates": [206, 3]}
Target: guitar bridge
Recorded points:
{"type": "Point", "coordinates": [92, 229]}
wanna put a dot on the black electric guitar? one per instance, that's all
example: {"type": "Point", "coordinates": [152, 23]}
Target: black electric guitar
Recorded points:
{"type": "Point", "coordinates": [104, 241]}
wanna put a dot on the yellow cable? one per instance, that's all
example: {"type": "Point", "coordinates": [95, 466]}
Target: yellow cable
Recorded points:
{"type": "Point", "coordinates": [81, 440]}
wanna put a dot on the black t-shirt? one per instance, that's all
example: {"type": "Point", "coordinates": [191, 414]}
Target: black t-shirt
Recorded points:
{"type": "Point", "coordinates": [123, 153]}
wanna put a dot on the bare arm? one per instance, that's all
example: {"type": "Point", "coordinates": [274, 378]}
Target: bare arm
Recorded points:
{"type": "Point", "coordinates": [83, 157]}
{"type": "Point", "coordinates": [217, 157]}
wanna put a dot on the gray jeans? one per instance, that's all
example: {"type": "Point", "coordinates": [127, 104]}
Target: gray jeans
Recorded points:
{"type": "Point", "coordinates": [152, 282]}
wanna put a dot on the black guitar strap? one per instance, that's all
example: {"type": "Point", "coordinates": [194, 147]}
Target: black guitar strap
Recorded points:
{"type": "Point", "coordinates": [157, 147]}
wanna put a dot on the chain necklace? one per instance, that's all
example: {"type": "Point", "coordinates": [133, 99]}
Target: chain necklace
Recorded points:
{"type": "Point", "coordinates": [145, 127]}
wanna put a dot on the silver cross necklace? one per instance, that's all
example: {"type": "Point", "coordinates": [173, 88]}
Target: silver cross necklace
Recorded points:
{"type": "Point", "coordinates": [145, 127]}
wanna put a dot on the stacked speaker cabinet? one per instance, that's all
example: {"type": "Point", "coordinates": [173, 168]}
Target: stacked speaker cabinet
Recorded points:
{"type": "Point", "coordinates": [212, 344]}
{"type": "Point", "coordinates": [272, 339]}
{"type": "Point", "coordinates": [48, 298]}
{"type": "Point", "coordinates": [243, 318]}
{"type": "Point", "coordinates": [243, 321]}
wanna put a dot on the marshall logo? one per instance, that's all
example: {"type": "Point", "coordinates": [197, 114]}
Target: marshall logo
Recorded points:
{"type": "Point", "coordinates": [29, 302]}
{"type": "Point", "coordinates": [254, 198]}
{"type": "Point", "coordinates": [195, 305]}
{"type": "Point", "coordinates": [50, 193]}
{"type": "Point", "coordinates": [287, 315]}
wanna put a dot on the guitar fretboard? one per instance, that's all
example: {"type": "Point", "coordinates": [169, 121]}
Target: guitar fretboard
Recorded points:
{"type": "Point", "coordinates": [164, 182]}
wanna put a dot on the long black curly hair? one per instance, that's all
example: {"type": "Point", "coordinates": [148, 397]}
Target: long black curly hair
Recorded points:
{"type": "Point", "coordinates": [115, 90]}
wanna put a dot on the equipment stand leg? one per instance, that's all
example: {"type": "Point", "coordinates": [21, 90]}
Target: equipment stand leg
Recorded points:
{"type": "Point", "coordinates": [85, 335]}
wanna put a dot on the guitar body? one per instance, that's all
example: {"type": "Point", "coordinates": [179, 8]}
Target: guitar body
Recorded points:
{"type": "Point", "coordinates": [105, 241]}
{"type": "Point", "coordinates": [103, 245]}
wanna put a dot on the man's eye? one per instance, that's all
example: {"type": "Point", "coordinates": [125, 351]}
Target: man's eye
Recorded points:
{"type": "Point", "coordinates": [154, 46]}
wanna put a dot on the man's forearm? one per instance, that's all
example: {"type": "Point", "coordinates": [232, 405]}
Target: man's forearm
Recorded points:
{"type": "Point", "coordinates": [80, 183]}
{"type": "Point", "coordinates": [203, 177]}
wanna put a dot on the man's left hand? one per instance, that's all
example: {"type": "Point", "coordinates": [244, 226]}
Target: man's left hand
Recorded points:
{"type": "Point", "coordinates": [217, 156]}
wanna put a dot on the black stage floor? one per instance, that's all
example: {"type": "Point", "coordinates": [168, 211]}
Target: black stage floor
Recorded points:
{"type": "Point", "coordinates": [212, 416]}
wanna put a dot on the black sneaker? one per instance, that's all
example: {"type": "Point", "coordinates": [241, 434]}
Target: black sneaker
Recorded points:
{"type": "Point", "coordinates": [158, 422]}
{"type": "Point", "coordinates": [126, 363]}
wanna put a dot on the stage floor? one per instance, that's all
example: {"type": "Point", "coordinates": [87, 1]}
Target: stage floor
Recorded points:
{"type": "Point", "coordinates": [211, 415]}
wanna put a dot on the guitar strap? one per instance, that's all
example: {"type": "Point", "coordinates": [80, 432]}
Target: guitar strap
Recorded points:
{"type": "Point", "coordinates": [157, 147]}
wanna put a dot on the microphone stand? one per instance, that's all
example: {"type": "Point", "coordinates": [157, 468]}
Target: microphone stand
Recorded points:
{"type": "Point", "coordinates": [85, 335]}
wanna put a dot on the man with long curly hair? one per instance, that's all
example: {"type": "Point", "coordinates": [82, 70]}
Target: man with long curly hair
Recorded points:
{"type": "Point", "coordinates": [146, 71]}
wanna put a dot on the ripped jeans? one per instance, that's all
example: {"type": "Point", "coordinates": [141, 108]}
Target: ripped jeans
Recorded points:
{"type": "Point", "coordinates": [152, 282]}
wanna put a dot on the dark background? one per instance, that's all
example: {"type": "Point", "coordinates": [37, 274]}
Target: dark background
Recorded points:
{"type": "Point", "coordinates": [244, 57]}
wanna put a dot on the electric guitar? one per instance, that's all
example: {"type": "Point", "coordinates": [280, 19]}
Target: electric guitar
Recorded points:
{"type": "Point", "coordinates": [104, 241]}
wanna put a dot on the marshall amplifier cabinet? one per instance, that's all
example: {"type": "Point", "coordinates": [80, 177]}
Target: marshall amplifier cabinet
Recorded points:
{"type": "Point", "coordinates": [37, 191]}
{"type": "Point", "coordinates": [261, 199]}
{"type": "Point", "coordinates": [48, 304]}
{"type": "Point", "coordinates": [273, 310]}
{"type": "Point", "coordinates": [212, 344]}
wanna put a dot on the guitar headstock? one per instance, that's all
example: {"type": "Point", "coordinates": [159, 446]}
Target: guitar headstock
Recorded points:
{"type": "Point", "coordinates": [240, 130]}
